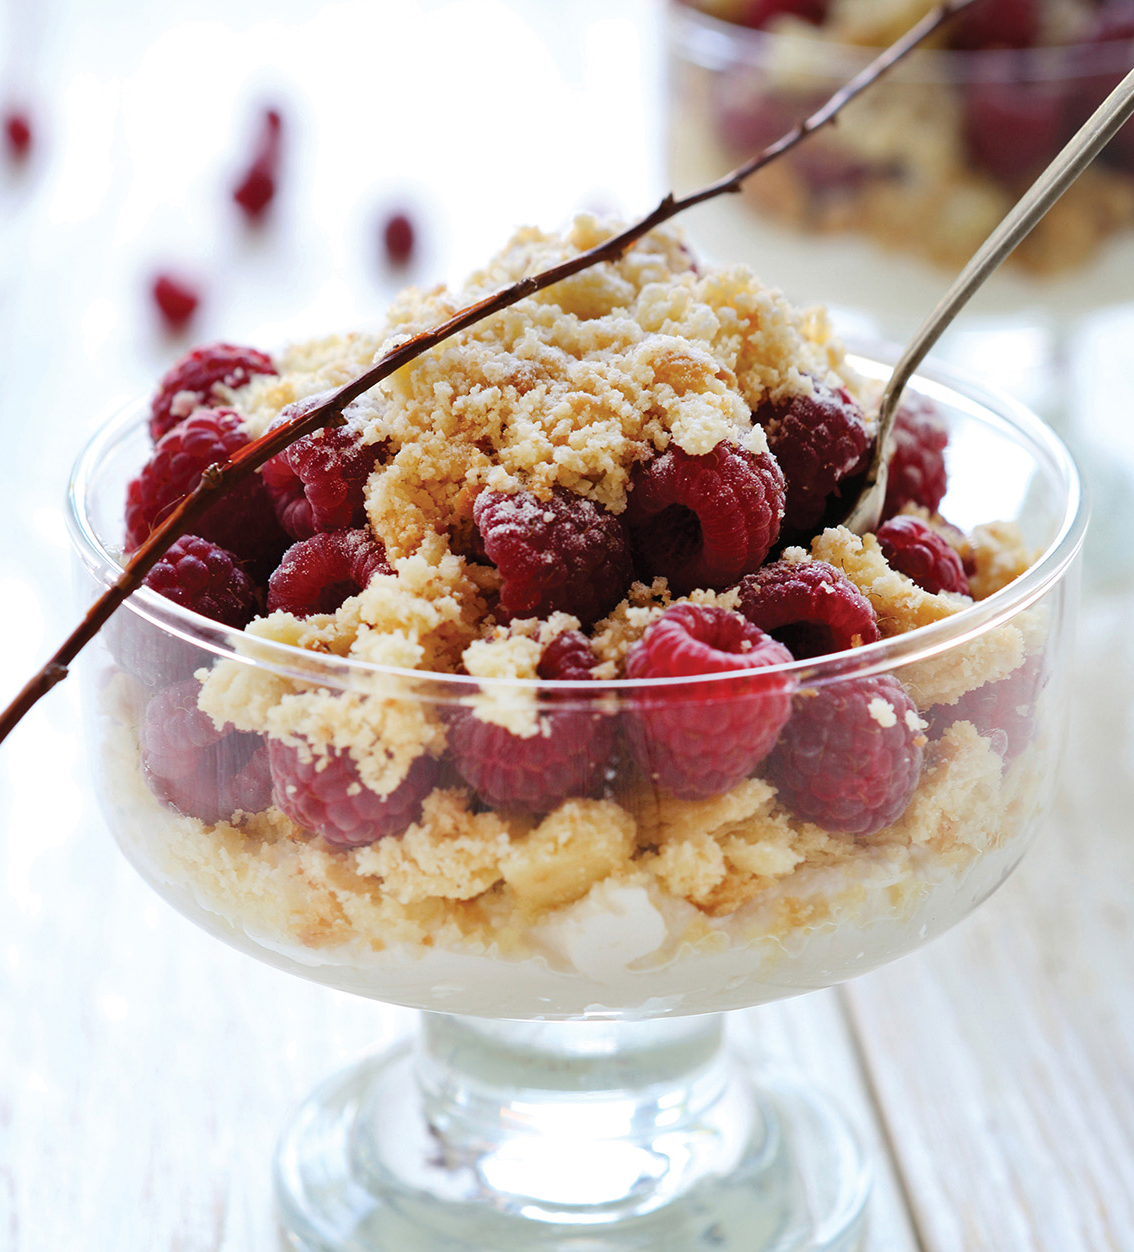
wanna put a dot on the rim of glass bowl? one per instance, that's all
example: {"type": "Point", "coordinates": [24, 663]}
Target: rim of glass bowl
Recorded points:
{"type": "Point", "coordinates": [715, 44]}
{"type": "Point", "coordinates": [958, 390]}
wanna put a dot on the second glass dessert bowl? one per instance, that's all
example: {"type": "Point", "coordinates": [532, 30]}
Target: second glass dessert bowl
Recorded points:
{"type": "Point", "coordinates": [872, 213]}
{"type": "Point", "coordinates": [571, 1087]}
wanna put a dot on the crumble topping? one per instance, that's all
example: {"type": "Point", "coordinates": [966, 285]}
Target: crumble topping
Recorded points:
{"type": "Point", "coordinates": [570, 387]}
{"type": "Point", "coordinates": [999, 556]}
{"type": "Point", "coordinates": [463, 877]}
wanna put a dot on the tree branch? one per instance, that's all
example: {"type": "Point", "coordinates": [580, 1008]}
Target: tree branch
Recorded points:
{"type": "Point", "coordinates": [321, 411]}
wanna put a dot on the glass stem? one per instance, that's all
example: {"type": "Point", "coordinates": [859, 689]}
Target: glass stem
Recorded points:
{"type": "Point", "coordinates": [566, 1115]}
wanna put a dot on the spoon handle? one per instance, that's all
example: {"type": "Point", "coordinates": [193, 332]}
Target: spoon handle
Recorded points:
{"type": "Point", "coordinates": [1091, 137]}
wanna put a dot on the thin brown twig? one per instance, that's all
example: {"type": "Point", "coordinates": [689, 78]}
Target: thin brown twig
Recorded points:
{"type": "Point", "coordinates": [322, 411]}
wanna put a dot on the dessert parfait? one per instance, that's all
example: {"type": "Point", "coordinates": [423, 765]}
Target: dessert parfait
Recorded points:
{"type": "Point", "coordinates": [550, 683]}
{"type": "Point", "coordinates": [922, 167]}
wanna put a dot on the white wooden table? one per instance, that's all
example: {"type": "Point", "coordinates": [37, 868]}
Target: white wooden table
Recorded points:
{"type": "Point", "coordinates": [144, 1068]}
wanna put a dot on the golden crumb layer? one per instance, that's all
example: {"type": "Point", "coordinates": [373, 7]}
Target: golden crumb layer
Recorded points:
{"type": "Point", "coordinates": [482, 881]}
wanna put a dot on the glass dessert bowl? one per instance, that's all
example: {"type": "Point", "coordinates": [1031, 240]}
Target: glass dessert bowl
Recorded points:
{"type": "Point", "coordinates": [576, 840]}
{"type": "Point", "coordinates": [871, 213]}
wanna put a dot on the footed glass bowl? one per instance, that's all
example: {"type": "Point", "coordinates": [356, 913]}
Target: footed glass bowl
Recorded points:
{"type": "Point", "coordinates": [872, 213]}
{"type": "Point", "coordinates": [572, 1086]}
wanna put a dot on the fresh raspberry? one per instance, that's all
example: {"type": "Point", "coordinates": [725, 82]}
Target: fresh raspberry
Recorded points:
{"type": "Point", "coordinates": [1005, 710]}
{"type": "Point", "coordinates": [242, 520]}
{"type": "Point", "coordinates": [568, 755]}
{"type": "Point", "coordinates": [195, 768]}
{"type": "Point", "coordinates": [851, 755]}
{"type": "Point", "coordinates": [250, 791]}
{"type": "Point", "coordinates": [18, 134]}
{"type": "Point", "coordinates": [956, 538]}
{"type": "Point", "coordinates": [747, 117]}
{"type": "Point", "coordinates": [326, 795]}
{"type": "Point", "coordinates": [758, 13]}
{"type": "Point", "coordinates": [916, 550]}
{"type": "Point", "coordinates": [1114, 21]}
{"type": "Point", "coordinates": [398, 238]}
{"type": "Point", "coordinates": [701, 738]}
{"type": "Point", "coordinates": [566, 554]}
{"type": "Point", "coordinates": [996, 24]}
{"type": "Point", "coordinates": [811, 607]}
{"type": "Point", "coordinates": [206, 578]}
{"type": "Point", "coordinates": [916, 470]}
{"type": "Point", "coordinates": [197, 575]}
{"type": "Point", "coordinates": [256, 190]}
{"type": "Point", "coordinates": [704, 521]}
{"type": "Point", "coordinates": [829, 170]}
{"type": "Point", "coordinates": [192, 382]}
{"type": "Point", "coordinates": [1012, 129]}
{"type": "Point", "coordinates": [819, 440]}
{"type": "Point", "coordinates": [257, 187]}
{"type": "Point", "coordinates": [317, 482]}
{"type": "Point", "coordinates": [176, 300]}
{"type": "Point", "coordinates": [569, 657]}
{"type": "Point", "coordinates": [316, 575]}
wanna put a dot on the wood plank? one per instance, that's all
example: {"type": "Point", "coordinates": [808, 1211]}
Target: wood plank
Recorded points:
{"type": "Point", "coordinates": [811, 1034]}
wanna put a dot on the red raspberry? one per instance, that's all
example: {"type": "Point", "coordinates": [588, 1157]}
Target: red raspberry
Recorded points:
{"type": "Point", "coordinates": [191, 381]}
{"type": "Point", "coordinates": [996, 24]}
{"type": "Point", "coordinates": [811, 607]}
{"type": "Point", "coordinates": [829, 170]}
{"type": "Point", "coordinates": [1114, 21]}
{"type": "Point", "coordinates": [18, 133]}
{"type": "Point", "coordinates": [256, 190]}
{"type": "Point", "coordinates": [916, 471]}
{"type": "Point", "coordinates": [565, 554]}
{"type": "Point", "coordinates": [1012, 129]}
{"type": "Point", "coordinates": [819, 440]}
{"type": "Point", "coordinates": [317, 482]}
{"type": "Point", "coordinates": [197, 575]}
{"type": "Point", "coordinates": [704, 521]}
{"type": "Point", "coordinates": [242, 519]}
{"type": "Point", "coordinates": [316, 575]}
{"type": "Point", "coordinates": [850, 758]}
{"type": "Point", "coordinates": [1004, 710]}
{"type": "Point", "coordinates": [749, 119]}
{"type": "Point", "coordinates": [701, 738]}
{"type": "Point", "coordinates": [206, 578]}
{"type": "Point", "coordinates": [257, 187]}
{"type": "Point", "coordinates": [569, 657]}
{"type": "Point", "coordinates": [250, 791]}
{"type": "Point", "coordinates": [566, 758]}
{"type": "Point", "coordinates": [176, 300]}
{"type": "Point", "coordinates": [326, 795]}
{"type": "Point", "coordinates": [195, 768]}
{"type": "Point", "coordinates": [758, 13]}
{"type": "Point", "coordinates": [398, 238]}
{"type": "Point", "coordinates": [916, 550]}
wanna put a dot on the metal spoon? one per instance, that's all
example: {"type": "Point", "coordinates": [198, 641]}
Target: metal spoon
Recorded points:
{"type": "Point", "coordinates": [1099, 128]}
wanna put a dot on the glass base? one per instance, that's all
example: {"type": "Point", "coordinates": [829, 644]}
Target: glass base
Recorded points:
{"type": "Point", "coordinates": [568, 1137]}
